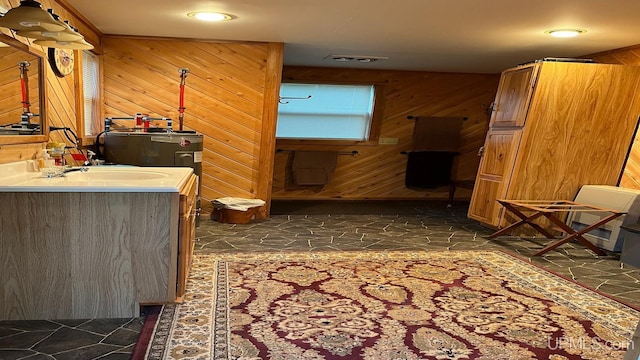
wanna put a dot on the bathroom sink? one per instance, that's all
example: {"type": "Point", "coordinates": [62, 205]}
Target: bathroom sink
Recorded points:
{"type": "Point", "coordinates": [116, 175]}
{"type": "Point", "coordinates": [95, 179]}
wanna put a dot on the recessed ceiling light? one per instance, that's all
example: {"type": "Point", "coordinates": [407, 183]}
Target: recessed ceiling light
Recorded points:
{"type": "Point", "coordinates": [210, 16]}
{"type": "Point", "coordinates": [565, 33]}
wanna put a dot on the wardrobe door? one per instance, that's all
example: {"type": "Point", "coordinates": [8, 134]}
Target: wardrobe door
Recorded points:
{"type": "Point", "coordinates": [513, 97]}
{"type": "Point", "coordinates": [496, 166]}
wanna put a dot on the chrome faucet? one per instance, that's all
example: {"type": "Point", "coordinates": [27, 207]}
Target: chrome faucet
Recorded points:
{"type": "Point", "coordinates": [81, 169]}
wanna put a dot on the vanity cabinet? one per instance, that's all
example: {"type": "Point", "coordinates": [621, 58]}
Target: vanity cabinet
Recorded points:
{"type": "Point", "coordinates": [554, 127]}
{"type": "Point", "coordinates": [94, 254]}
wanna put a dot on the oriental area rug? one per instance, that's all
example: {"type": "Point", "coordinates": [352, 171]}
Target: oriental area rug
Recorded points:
{"type": "Point", "coordinates": [387, 305]}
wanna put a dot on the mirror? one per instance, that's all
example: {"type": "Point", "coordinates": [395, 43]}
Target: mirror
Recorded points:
{"type": "Point", "coordinates": [22, 106]}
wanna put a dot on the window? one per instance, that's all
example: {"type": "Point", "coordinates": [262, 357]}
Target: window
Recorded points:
{"type": "Point", "coordinates": [88, 98]}
{"type": "Point", "coordinates": [326, 112]}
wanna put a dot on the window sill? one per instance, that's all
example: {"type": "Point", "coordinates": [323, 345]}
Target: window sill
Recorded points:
{"type": "Point", "coordinates": [87, 140]}
{"type": "Point", "coordinates": [325, 142]}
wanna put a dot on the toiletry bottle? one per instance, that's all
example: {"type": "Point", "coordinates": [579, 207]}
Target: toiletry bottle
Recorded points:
{"type": "Point", "coordinates": [45, 160]}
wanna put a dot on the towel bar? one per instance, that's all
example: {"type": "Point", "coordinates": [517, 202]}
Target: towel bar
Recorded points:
{"type": "Point", "coordinates": [352, 153]}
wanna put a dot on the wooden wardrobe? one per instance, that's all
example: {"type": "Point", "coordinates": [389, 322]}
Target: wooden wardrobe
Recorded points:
{"type": "Point", "coordinates": [554, 127]}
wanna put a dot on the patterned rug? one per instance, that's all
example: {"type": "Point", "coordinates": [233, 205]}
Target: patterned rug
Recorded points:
{"type": "Point", "coordinates": [387, 305]}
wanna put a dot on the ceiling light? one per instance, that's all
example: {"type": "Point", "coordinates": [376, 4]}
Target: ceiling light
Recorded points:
{"type": "Point", "coordinates": [210, 16]}
{"type": "Point", "coordinates": [30, 16]}
{"type": "Point", "coordinates": [81, 44]}
{"type": "Point", "coordinates": [68, 34]}
{"type": "Point", "coordinates": [565, 33]}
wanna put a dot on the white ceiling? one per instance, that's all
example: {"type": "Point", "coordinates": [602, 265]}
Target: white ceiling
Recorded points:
{"type": "Point", "coordinates": [429, 35]}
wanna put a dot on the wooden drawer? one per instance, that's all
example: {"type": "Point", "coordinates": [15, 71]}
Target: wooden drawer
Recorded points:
{"type": "Point", "coordinates": [188, 195]}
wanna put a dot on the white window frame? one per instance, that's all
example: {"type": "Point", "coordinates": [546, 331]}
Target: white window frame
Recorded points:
{"type": "Point", "coordinates": [371, 128]}
{"type": "Point", "coordinates": [89, 112]}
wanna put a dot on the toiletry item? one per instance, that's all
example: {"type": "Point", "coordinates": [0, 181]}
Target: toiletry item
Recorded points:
{"type": "Point", "coordinates": [56, 150]}
{"type": "Point", "coordinates": [52, 171]}
{"type": "Point", "coordinates": [45, 161]}
{"type": "Point", "coordinates": [49, 165]}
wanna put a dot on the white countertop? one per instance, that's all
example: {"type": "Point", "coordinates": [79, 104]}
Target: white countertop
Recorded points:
{"type": "Point", "coordinates": [20, 177]}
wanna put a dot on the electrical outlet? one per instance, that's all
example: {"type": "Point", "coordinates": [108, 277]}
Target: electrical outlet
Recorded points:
{"type": "Point", "coordinates": [387, 141]}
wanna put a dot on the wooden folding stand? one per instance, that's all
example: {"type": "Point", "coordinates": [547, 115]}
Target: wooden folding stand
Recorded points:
{"type": "Point", "coordinates": [549, 209]}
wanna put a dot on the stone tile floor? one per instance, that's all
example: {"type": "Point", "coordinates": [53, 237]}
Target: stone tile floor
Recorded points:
{"type": "Point", "coordinates": [388, 226]}
{"type": "Point", "coordinates": [108, 339]}
{"type": "Point", "coordinates": [324, 226]}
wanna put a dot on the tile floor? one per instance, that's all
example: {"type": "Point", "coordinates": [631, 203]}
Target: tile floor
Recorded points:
{"type": "Point", "coordinates": [323, 226]}
{"type": "Point", "coordinates": [108, 339]}
{"type": "Point", "coordinates": [343, 226]}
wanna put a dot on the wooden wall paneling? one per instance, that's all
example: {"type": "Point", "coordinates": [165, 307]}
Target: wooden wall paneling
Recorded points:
{"type": "Point", "coordinates": [136, 68]}
{"type": "Point", "coordinates": [248, 56]}
{"type": "Point", "coordinates": [229, 67]}
{"type": "Point", "coordinates": [378, 171]}
{"type": "Point", "coordinates": [232, 160]}
{"type": "Point", "coordinates": [61, 109]}
{"type": "Point", "coordinates": [368, 162]}
{"type": "Point", "coordinates": [61, 102]}
{"type": "Point", "coordinates": [239, 189]}
{"type": "Point", "coordinates": [625, 56]}
{"type": "Point", "coordinates": [133, 85]}
{"type": "Point", "coordinates": [224, 100]}
{"type": "Point", "coordinates": [61, 106]}
{"type": "Point", "coordinates": [19, 152]}
{"type": "Point", "coordinates": [194, 56]}
{"type": "Point", "coordinates": [225, 142]}
{"type": "Point", "coordinates": [273, 75]}
{"type": "Point", "coordinates": [10, 94]}
{"type": "Point", "coordinates": [144, 86]}
{"type": "Point", "coordinates": [229, 175]}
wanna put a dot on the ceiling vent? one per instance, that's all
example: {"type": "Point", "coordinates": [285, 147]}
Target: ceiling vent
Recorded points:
{"type": "Point", "coordinates": [356, 58]}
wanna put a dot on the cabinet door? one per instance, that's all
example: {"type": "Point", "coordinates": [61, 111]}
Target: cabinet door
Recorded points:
{"type": "Point", "coordinates": [494, 173]}
{"type": "Point", "coordinates": [186, 234]}
{"type": "Point", "coordinates": [513, 97]}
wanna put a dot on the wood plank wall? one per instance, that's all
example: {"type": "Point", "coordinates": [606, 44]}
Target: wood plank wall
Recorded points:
{"type": "Point", "coordinates": [378, 171]}
{"type": "Point", "coordinates": [626, 56]}
{"type": "Point", "coordinates": [225, 95]}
